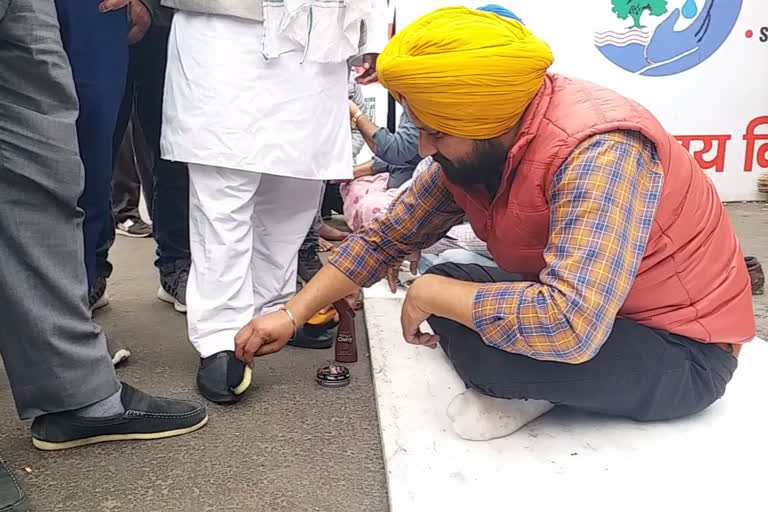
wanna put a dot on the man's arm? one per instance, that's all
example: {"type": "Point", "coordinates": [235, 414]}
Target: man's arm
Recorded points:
{"type": "Point", "coordinates": [397, 148]}
{"type": "Point", "coordinates": [603, 201]}
{"type": "Point", "coordinates": [417, 219]}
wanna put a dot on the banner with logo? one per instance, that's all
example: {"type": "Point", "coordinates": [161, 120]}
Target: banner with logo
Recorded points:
{"type": "Point", "coordinates": [701, 66]}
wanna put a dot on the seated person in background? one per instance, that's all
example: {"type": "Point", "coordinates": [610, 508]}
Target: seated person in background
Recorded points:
{"type": "Point", "coordinates": [320, 234]}
{"type": "Point", "coordinates": [638, 300]}
{"type": "Point", "coordinates": [376, 182]}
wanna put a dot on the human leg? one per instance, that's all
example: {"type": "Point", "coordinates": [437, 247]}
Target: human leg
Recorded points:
{"type": "Point", "coordinates": [639, 373]}
{"type": "Point", "coordinates": [220, 295]}
{"type": "Point", "coordinates": [55, 356]}
{"type": "Point", "coordinates": [97, 48]}
{"type": "Point", "coordinates": [284, 210]}
{"type": "Point", "coordinates": [170, 204]}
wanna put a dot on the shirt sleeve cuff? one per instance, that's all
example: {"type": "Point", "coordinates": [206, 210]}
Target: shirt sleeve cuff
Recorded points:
{"type": "Point", "coordinates": [358, 262]}
{"type": "Point", "coordinates": [492, 308]}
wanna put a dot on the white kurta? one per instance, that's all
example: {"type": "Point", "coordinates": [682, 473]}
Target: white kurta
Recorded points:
{"type": "Point", "coordinates": [225, 105]}
{"type": "Point", "coordinates": [259, 137]}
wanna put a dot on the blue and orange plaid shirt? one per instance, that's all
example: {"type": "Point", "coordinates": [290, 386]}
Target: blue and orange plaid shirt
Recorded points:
{"type": "Point", "coordinates": [602, 203]}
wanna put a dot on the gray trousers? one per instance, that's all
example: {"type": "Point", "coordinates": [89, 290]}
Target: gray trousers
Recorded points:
{"type": "Point", "coordinates": [55, 356]}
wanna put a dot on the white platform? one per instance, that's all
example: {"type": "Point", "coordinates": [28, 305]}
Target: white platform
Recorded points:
{"type": "Point", "coordinates": [565, 461]}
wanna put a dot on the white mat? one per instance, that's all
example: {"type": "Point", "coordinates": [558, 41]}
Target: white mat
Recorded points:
{"type": "Point", "coordinates": [565, 461]}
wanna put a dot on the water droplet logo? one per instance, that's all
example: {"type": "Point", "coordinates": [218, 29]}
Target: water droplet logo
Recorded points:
{"type": "Point", "coordinates": [690, 9]}
{"type": "Point", "coordinates": [666, 37]}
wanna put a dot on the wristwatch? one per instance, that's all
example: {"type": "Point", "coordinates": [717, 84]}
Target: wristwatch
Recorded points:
{"type": "Point", "coordinates": [356, 117]}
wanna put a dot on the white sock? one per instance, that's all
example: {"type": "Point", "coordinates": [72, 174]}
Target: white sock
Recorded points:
{"type": "Point", "coordinates": [478, 417]}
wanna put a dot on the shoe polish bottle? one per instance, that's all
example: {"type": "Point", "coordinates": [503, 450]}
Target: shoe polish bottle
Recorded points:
{"type": "Point", "coordinates": [346, 338]}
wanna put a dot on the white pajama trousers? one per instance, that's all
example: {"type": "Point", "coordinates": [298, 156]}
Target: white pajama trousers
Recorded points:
{"type": "Point", "coordinates": [245, 232]}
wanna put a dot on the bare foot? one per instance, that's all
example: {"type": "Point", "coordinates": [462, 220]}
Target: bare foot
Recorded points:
{"type": "Point", "coordinates": [324, 245]}
{"type": "Point", "coordinates": [332, 234]}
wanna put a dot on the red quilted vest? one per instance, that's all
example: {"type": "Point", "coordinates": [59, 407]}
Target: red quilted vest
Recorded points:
{"type": "Point", "coordinates": [692, 280]}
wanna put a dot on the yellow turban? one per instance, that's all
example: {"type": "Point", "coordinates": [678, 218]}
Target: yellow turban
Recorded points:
{"type": "Point", "coordinates": [465, 72]}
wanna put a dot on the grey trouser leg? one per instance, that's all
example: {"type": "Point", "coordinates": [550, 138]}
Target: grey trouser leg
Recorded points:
{"type": "Point", "coordinates": [55, 356]}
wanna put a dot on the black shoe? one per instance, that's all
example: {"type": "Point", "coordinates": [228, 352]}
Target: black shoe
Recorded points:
{"type": "Point", "coordinates": [97, 298]}
{"type": "Point", "coordinates": [12, 497]}
{"type": "Point", "coordinates": [309, 264]}
{"type": "Point", "coordinates": [315, 337]}
{"type": "Point", "coordinates": [134, 228]}
{"type": "Point", "coordinates": [222, 378]}
{"type": "Point", "coordinates": [173, 285]}
{"type": "Point", "coordinates": [145, 417]}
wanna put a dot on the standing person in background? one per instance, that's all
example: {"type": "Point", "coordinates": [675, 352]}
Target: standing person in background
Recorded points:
{"type": "Point", "coordinates": [376, 182]}
{"type": "Point", "coordinates": [96, 34]}
{"type": "Point", "coordinates": [132, 172]}
{"type": "Point", "coordinates": [257, 107]}
{"type": "Point", "coordinates": [56, 358]}
{"type": "Point", "coordinates": [169, 205]}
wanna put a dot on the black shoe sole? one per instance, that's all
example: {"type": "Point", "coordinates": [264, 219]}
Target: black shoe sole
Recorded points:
{"type": "Point", "coordinates": [136, 436]}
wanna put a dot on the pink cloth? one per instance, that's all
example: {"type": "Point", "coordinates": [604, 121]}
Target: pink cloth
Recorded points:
{"type": "Point", "coordinates": [366, 198]}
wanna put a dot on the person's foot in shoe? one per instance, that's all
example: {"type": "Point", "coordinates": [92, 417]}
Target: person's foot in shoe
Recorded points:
{"type": "Point", "coordinates": [173, 285]}
{"type": "Point", "coordinates": [97, 297]}
{"type": "Point", "coordinates": [129, 414]}
{"type": "Point", "coordinates": [317, 333]}
{"type": "Point", "coordinates": [117, 352]}
{"type": "Point", "coordinates": [309, 263]}
{"type": "Point", "coordinates": [331, 233]}
{"type": "Point", "coordinates": [12, 496]}
{"type": "Point", "coordinates": [222, 378]}
{"type": "Point", "coordinates": [134, 228]}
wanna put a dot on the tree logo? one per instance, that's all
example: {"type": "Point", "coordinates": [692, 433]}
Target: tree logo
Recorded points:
{"type": "Point", "coordinates": [662, 38]}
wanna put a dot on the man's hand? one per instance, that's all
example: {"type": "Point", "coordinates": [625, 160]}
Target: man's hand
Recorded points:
{"type": "Point", "coordinates": [414, 313]}
{"type": "Point", "coordinates": [263, 335]}
{"type": "Point", "coordinates": [394, 272]}
{"type": "Point", "coordinates": [368, 76]}
{"type": "Point", "coordinates": [141, 21]}
{"type": "Point", "coordinates": [365, 169]}
{"type": "Point", "coordinates": [112, 5]}
{"type": "Point", "coordinates": [140, 17]}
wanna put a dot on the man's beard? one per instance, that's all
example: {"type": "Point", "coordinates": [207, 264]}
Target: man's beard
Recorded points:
{"type": "Point", "coordinates": [484, 166]}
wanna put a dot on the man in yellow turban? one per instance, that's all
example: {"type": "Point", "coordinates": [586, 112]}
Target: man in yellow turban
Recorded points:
{"type": "Point", "coordinates": [621, 286]}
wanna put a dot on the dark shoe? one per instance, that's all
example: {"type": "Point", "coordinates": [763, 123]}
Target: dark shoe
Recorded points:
{"type": "Point", "coordinates": [314, 337]}
{"type": "Point", "coordinates": [98, 297]}
{"type": "Point", "coordinates": [756, 275]}
{"type": "Point", "coordinates": [12, 497]}
{"type": "Point", "coordinates": [134, 228]}
{"type": "Point", "coordinates": [222, 378]}
{"type": "Point", "coordinates": [173, 285]}
{"type": "Point", "coordinates": [145, 417]}
{"type": "Point", "coordinates": [309, 264]}
{"type": "Point", "coordinates": [117, 352]}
